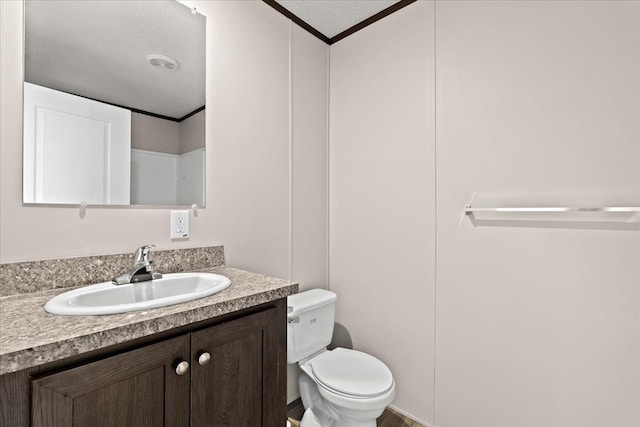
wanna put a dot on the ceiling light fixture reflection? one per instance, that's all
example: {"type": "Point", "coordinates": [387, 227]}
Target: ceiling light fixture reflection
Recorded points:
{"type": "Point", "coordinates": [163, 62]}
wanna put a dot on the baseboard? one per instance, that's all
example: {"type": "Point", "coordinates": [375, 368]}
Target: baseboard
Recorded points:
{"type": "Point", "coordinates": [411, 417]}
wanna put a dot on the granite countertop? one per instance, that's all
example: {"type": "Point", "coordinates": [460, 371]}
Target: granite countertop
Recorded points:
{"type": "Point", "coordinates": [29, 336]}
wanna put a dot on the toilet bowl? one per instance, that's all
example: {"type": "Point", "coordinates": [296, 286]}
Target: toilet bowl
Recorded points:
{"type": "Point", "coordinates": [339, 387]}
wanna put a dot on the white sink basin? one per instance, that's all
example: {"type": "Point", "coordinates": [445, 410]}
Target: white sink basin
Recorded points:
{"type": "Point", "coordinates": [107, 298]}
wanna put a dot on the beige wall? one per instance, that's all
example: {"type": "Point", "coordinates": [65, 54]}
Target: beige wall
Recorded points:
{"type": "Point", "coordinates": [382, 194]}
{"type": "Point", "coordinates": [155, 134]}
{"type": "Point", "coordinates": [166, 136]}
{"type": "Point", "coordinates": [309, 70]}
{"type": "Point", "coordinates": [309, 148]}
{"type": "Point", "coordinates": [248, 133]}
{"type": "Point", "coordinates": [538, 324]}
{"type": "Point", "coordinates": [248, 156]}
{"type": "Point", "coordinates": [192, 136]}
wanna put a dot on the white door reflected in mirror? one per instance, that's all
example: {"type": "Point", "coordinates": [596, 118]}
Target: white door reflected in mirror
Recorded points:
{"type": "Point", "coordinates": [75, 149]}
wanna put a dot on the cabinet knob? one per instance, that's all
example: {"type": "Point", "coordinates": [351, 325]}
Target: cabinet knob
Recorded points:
{"type": "Point", "coordinates": [204, 358]}
{"type": "Point", "coordinates": [182, 367]}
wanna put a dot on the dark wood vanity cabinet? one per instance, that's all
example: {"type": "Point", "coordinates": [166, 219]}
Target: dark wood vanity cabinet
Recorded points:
{"type": "Point", "coordinates": [238, 387]}
{"type": "Point", "coordinates": [236, 376]}
{"type": "Point", "coordinates": [135, 388]}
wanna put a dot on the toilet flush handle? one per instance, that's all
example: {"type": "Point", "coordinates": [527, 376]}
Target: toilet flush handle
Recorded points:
{"type": "Point", "coordinates": [295, 319]}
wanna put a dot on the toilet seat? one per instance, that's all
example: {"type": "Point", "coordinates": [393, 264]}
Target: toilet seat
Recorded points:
{"type": "Point", "coordinates": [351, 373]}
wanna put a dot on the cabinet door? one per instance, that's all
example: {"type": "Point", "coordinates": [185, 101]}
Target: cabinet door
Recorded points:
{"type": "Point", "coordinates": [139, 388]}
{"type": "Point", "coordinates": [242, 384]}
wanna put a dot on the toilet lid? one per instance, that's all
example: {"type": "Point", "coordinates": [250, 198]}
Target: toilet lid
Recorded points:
{"type": "Point", "coordinates": [352, 372]}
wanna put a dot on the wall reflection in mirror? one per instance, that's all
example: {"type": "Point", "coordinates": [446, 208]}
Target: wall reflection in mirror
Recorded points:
{"type": "Point", "coordinates": [114, 103]}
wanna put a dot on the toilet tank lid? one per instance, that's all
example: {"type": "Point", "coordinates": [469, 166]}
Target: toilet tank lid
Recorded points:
{"type": "Point", "coordinates": [308, 300]}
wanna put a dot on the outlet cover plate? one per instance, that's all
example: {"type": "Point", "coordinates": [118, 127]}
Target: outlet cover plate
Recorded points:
{"type": "Point", "coordinates": [179, 225]}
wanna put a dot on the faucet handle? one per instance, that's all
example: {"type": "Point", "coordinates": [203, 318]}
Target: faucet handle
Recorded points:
{"type": "Point", "coordinates": [141, 254]}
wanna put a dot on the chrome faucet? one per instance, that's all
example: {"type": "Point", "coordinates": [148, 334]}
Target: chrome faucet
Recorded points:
{"type": "Point", "coordinates": [142, 269]}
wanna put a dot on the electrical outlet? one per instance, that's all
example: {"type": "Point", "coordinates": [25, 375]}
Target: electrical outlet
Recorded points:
{"type": "Point", "coordinates": [179, 224]}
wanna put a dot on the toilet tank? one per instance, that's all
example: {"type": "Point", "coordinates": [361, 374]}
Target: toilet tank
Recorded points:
{"type": "Point", "coordinates": [310, 319]}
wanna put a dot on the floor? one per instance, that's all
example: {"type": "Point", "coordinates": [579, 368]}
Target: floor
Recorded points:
{"type": "Point", "coordinates": [389, 418]}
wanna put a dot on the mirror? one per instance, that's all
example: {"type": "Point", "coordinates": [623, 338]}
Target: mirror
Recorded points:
{"type": "Point", "coordinates": [114, 103]}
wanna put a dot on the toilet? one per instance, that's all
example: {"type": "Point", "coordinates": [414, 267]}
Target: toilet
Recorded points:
{"type": "Point", "coordinates": [339, 387]}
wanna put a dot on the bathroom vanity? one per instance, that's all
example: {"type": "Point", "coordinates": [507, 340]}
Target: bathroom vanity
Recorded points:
{"type": "Point", "coordinates": [216, 361]}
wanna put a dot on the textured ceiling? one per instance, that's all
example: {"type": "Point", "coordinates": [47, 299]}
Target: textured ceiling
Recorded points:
{"type": "Point", "coordinates": [97, 49]}
{"type": "Point", "coordinates": [331, 17]}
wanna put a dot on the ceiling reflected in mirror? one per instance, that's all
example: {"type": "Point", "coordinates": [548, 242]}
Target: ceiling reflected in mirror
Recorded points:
{"type": "Point", "coordinates": [100, 49]}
